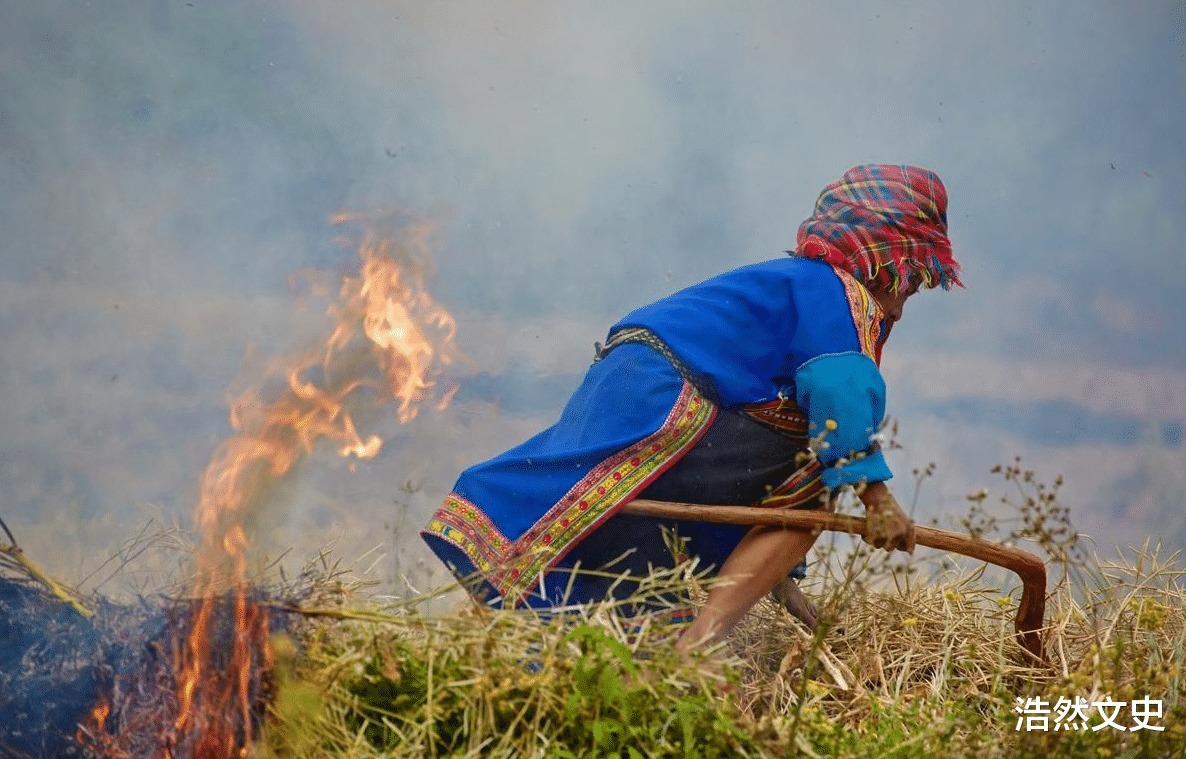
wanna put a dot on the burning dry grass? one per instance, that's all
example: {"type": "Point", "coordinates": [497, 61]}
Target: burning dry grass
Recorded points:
{"type": "Point", "coordinates": [915, 659]}
{"type": "Point", "coordinates": [83, 676]}
{"type": "Point", "coordinates": [193, 684]}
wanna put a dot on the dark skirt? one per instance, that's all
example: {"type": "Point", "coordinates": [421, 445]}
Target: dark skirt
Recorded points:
{"type": "Point", "coordinates": [738, 462]}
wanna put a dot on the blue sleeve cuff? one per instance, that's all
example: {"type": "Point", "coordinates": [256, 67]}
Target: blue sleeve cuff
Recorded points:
{"type": "Point", "coordinates": [843, 396]}
{"type": "Point", "coordinates": [870, 467]}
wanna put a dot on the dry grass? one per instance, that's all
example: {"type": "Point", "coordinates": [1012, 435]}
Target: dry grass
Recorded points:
{"type": "Point", "coordinates": [902, 666]}
{"type": "Point", "coordinates": [913, 658]}
{"type": "Point", "coordinates": [584, 682]}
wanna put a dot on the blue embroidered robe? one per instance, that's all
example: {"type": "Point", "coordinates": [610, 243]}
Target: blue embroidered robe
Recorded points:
{"type": "Point", "coordinates": [791, 343]}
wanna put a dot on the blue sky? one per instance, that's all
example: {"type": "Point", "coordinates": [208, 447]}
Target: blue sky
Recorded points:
{"type": "Point", "coordinates": [166, 165]}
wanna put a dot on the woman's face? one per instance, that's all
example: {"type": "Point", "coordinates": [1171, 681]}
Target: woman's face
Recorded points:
{"type": "Point", "coordinates": [892, 304]}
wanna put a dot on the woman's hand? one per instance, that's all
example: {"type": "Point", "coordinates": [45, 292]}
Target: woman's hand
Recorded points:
{"type": "Point", "coordinates": [789, 596]}
{"type": "Point", "coordinates": [889, 527]}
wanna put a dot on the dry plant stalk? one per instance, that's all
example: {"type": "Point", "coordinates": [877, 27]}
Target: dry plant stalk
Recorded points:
{"type": "Point", "coordinates": [1032, 571]}
{"type": "Point", "coordinates": [19, 560]}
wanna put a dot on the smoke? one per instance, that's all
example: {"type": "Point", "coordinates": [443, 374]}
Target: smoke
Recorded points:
{"type": "Point", "coordinates": [168, 164]}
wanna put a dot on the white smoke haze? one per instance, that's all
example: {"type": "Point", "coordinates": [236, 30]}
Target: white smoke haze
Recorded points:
{"type": "Point", "coordinates": [165, 166]}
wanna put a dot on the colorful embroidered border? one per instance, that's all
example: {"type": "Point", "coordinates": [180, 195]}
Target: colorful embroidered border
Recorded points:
{"type": "Point", "coordinates": [866, 314]}
{"type": "Point", "coordinates": [609, 486]}
{"type": "Point", "coordinates": [466, 526]}
{"type": "Point", "coordinates": [515, 568]}
{"type": "Point", "coordinates": [781, 414]}
{"type": "Point", "coordinates": [802, 486]}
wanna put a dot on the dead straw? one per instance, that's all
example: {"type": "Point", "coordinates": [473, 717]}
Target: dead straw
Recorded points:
{"type": "Point", "coordinates": [15, 558]}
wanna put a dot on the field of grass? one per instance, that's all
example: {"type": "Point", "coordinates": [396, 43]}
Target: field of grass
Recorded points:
{"type": "Point", "coordinates": [912, 658]}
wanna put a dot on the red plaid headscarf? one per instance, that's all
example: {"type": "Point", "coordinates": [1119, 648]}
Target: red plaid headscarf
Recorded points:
{"type": "Point", "coordinates": [886, 225]}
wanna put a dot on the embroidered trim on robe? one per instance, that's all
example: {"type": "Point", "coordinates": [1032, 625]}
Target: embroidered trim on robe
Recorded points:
{"type": "Point", "coordinates": [514, 568]}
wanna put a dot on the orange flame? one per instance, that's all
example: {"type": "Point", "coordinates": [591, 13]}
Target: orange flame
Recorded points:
{"type": "Point", "coordinates": [93, 729]}
{"type": "Point", "coordinates": [398, 317]}
{"type": "Point", "coordinates": [387, 334]}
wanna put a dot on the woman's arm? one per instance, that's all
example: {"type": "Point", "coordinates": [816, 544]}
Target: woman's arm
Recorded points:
{"type": "Point", "coordinates": [759, 562]}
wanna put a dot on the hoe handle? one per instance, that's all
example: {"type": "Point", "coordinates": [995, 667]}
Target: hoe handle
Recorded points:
{"type": "Point", "coordinates": [1029, 568]}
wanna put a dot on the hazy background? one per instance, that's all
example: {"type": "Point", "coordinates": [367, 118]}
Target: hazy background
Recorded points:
{"type": "Point", "coordinates": [164, 167]}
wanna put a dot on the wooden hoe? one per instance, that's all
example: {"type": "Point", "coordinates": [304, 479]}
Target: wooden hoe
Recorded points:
{"type": "Point", "coordinates": [1029, 568]}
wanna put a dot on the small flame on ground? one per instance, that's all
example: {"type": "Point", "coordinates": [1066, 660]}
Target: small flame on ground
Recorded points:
{"type": "Point", "coordinates": [94, 727]}
{"type": "Point", "coordinates": [384, 316]}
